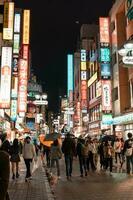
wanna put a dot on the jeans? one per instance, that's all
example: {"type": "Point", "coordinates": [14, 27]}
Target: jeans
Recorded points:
{"type": "Point", "coordinates": [109, 163]}
{"type": "Point", "coordinates": [27, 163]}
{"type": "Point", "coordinates": [53, 161]}
{"type": "Point", "coordinates": [129, 163]}
{"type": "Point", "coordinates": [90, 162]}
{"type": "Point", "coordinates": [68, 163]}
{"type": "Point", "coordinates": [83, 164]}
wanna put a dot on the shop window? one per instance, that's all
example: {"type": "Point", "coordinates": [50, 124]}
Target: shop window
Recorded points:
{"type": "Point", "coordinates": [115, 94]}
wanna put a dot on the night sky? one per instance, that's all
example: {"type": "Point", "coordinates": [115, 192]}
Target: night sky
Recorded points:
{"type": "Point", "coordinates": [54, 34]}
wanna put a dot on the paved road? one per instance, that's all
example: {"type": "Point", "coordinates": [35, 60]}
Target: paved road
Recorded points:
{"type": "Point", "coordinates": [96, 186]}
{"type": "Point", "coordinates": [37, 189]}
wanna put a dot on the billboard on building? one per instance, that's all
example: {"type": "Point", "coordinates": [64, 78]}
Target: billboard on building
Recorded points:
{"type": "Point", "coordinates": [106, 96]}
{"type": "Point", "coordinates": [17, 21]}
{"type": "Point", "coordinates": [105, 55]}
{"type": "Point", "coordinates": [105, 70]}
{"type": "Point", "coordinates": [16, 43]}
{"type": "Point", "coordinates": [70, 79]}
{"type": "Point", "coordinates": [25, 50]}
{"type": "Point", "coordinates": [84, 95]}
{"type": "Point", "coordinates": [13, 109]}
{"type": "Point", "coordinates": [104, 29]}
{"type": "Point", "coordinates": [129, 9]}
{"type": "Point", "coordinates": [22, 87]}
{"type": "Point", "coordinates": [26, 26]}
{"type": "Point", "coordinates": [5, 82]}
{"type": "Point", "coordinates": [8, 21]}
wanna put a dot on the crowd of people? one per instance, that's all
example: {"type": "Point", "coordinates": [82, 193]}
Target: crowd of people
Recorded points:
{"type": "Point", "coordinates": [92, 155]}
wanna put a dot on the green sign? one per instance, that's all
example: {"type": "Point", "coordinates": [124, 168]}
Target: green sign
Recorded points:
{"type": "Point", "coordinates": [129, 6]}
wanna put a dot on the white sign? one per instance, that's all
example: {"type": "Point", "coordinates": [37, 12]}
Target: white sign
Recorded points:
{"type": "Point", "coordinates": [17, 23]}
{"type": "Point", "coordinates": [83, 75]}
{"type": "Point", "coordinates": [128, 60]}
{"type": "Point", "coordinates": [69, 112]}
{"type": "Point", "coordinates": [83, 55]}
{"type": "Point", "coordinates": [5, 83]}
{"type": "Point", "coordinates": [40, 102]}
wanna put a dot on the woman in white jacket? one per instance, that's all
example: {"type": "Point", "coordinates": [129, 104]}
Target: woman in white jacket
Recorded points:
{"type": "Point", "coordinates": [28, 155]}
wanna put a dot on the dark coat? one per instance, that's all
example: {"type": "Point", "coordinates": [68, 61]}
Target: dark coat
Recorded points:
{"type": "Point", "coordinates": [68, 147]}
{"type": "Point", "coordinates": [4, 174]}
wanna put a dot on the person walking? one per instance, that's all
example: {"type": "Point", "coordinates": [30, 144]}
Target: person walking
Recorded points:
{"type": "Point", "coordinates": [4, 173]}
{"type": "Point", "coordinates": [82, 152]}
{"type": "Point", "coordinates": [128, 151]}
{"type": "Point", "coordinates": [55, 155]}
{"type": "Point", "coordinates": [15, 158]}
{"type": "Point", "coordinates": [28, 155]}
{"type": "Point", "coordinates": [117, 149]}
{"type": "Point", "coordinates": [69, 150]}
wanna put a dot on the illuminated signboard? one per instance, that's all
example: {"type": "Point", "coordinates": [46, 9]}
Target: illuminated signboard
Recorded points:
{"type": "Point", "coordinates": [13, 110]}
{"type": "Point", "coordinates": [83, 66]}
{"type": "Point", "coordinates": [17, 19]}
{"type": "Point", "coordinates": [22, 87]}
{"type": "Point", "coordinates": [98, 89]}
{"type": "Point", "coordinates": [107, 119]}
{"type": "Point", "coordinates": [70, 79]}
{"type": "Point", "coordinates": [129, 9]}
{"type": "Point", "coordinates": [14, 93]}
{"type": "Point", "coordinates": [26, 26]}
{"type": "Point", "coordinates": [92, 79]}
{"type": "Point", "coordinates": [83, 55]}
{"type": "Point", "coordinates": [105, 70]}
{"type": "Point", "coordinates": [106, 96]}
{"type": "Point", "coordinates": [8, 21]}
{"type": "Point", "coordinates": [25, 52]}
{"type": "Point", "coordinates": [105, 54]}
{"type": "Point", "coordinates": [104, 29]}
{"type": "Point", "coordinates": [83, 75]}
{"type": "Point", "coordinates": [5, 82]}
{"type": "Point", "coordinates": [15, 66]}
{"type": "Point", "coordinates": [84, 95]}
{"type": "Point", "coordinates": [16, 44]}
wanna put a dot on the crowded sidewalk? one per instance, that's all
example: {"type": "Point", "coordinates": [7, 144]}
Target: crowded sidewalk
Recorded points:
{"type": "Point", "coordinates": [36, 189]}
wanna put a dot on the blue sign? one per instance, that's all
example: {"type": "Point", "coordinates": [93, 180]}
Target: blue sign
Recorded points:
{"type": "Point", "coordinates": [70, 79]}
{"type": "Point", "coordinates": [105, 54]}
{"type": "Point", "coordinates": [105, 70]}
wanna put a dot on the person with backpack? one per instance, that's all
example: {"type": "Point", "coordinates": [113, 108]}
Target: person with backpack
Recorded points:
{"type": "Point", "coordinates": [128, 151]}
{"type": "Point", "coordinates": [82, 152]}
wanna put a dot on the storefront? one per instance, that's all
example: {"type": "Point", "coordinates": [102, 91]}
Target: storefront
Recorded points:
{"type": "Point", "coordinates": [94, 128]}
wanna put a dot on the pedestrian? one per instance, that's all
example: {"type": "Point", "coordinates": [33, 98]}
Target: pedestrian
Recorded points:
{"type": "Point", "coordinates": [55, 155]}
{"type": "Point", "coordinates": [90, 159]}
{"type": "Point", "coordinates": [82, 152]}
{"type": "Point", "coordinates": [5, 143]}
{"type": "Point", "coordinates": [4, 173]}
{"type": "Point", "coordinates": [117, 149]}
{"type": "Point", "coordinates": [69, 150]}
{"type": "Point", "coordinates": [28, 155]}
{"type": "Point", "coordinates": [128, 151]}
{"type": "Point", "coordinates": [108, 155]}
{"type": "Point", "coordinates": [101, 154]}
{"type": "Point", "coordinates": [15, 158]}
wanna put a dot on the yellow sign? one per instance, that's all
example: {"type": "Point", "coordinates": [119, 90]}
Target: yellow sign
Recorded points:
{"type": "Point", "coordinates": [26, 26]}
{"type": "Point", "coordinates": [92, 79]}
{"type": "Point", "coordinates": [83, 65]}
{"type": "Point", "coordinates": [8, 21]}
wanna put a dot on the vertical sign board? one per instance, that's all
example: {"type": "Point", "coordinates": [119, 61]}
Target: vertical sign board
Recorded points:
{"type": "Point", "coordinates": [22, 87]}
{"type": "Point", "coordinates": [104, 29]}
{"type": "Point", "coordinates": [69, 74]}
{"type": "Point", "coordinates": [13, 110]}
{"type": "Point", "coordinates": [26, 26]}
{"type": "Point", "coordinates": [83, 86]}
{"type": "Point", "coordinates": [106, 96]}
{"type": "Point", "coordinates": [8, 21]}
{"type": "Point", "coordinates": [5, 82]}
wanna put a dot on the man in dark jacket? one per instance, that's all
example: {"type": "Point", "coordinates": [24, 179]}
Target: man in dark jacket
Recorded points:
{"type": "Point", "coordinates": [4, 174]}
{"type": "Point", "coordinates": [128, 151]}
{"type": "Point", "coordinates": [68, 148]}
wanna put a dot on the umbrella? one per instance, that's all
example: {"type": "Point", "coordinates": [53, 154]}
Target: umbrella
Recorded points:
{"type": "Point", "coordinates": [48, 139]}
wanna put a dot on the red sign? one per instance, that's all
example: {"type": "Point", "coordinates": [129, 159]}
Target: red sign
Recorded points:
{"type": "Point", "coordinates": [22, 88]}
{"type": "Point", "coordinates": [104, 29]}
{"type": "Point", "coordinates": [83, 94]}
{"type": "Point", "coordinates": [25, 52]}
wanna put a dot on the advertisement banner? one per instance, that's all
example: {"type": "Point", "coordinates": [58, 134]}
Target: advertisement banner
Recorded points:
{"type": "Point", "coordinates": [84, 95]}
{"type": "Point", "coordinates": [105, 54]}
{"type": "Point", "coordinates": [106, 96]}
{"type": "Point", "coordinates": [5, 82]}
{"type": "Point", "coordinates": [105, 70]}
{"type": "Point", "coordinates": [15, 66]}
{"type": "Point", "coordinates": [25, 51]}
{"type": "Point", "coordinates": [14, 93]}
{"type": "Point", "coordinates": [8, 21]}
{"type": "Point", "coordinates": [16, 43]}
{"type": "Point", "coordinates": [98, 89]}
{"type": "Point", "coordinates": [83, 55]}
{"type": "Point", "coordinates": [22, 87]}
{"type": "Point", "coordinates": [83, 75]}
{"type": "Point", "coordinates": [13, 110]}
{"type": "Point", "coordinates": [26, 26]}
{"type": "Point", "coordinates": [104, 29]}
{"type": "Point", "coordinates": [17, 20]}
{"type": "Point", "coordinates": [70, 78]}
